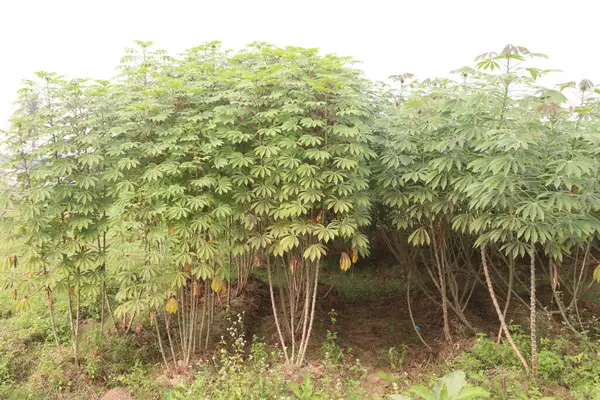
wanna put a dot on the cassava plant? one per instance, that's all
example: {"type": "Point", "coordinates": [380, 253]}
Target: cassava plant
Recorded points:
{"type": "Point", "coordinates": [296, 142]}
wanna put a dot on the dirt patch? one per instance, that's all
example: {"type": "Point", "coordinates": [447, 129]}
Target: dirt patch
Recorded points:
{"type": "Point", "coordinates": [116, 394]}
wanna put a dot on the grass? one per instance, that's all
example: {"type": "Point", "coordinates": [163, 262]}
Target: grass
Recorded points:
{"type": "Point", "coordinates": [369, 352]}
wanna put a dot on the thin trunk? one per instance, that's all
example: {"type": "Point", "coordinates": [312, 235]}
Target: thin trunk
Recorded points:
{"type": "Point", "coordinates": [70, 309]}
{"type": "Point", "coordinates": [312, 314]}
{"type": "Point", "coordinates": [579, 279]}
{"type": "Point", "coordinates": [561, 307]}
{"type": "Point", "coordinates": [412, 320]}
{"type": "Point", "coordinates": [192, 323]}
{"type": "Point", "coordinates": [160, 344]}
{"type": "Point", "coordinates": [204, 310]}
{"type": "Point", "coordinates": [167, 327]}
{"type": "Point", "coordinates": [130, 323]}
{"type": "Point", "coordinates": [499, 311]}
{"type": "Point", "coordinates": [511, 274]}
{"type": "Point", "coordinates": [533, 325]}
{"type": "Point", "coordinates": [211, 313]}
{"type": "Point", "coordinates": [442, 282]}
{"type": "Point", "coordinates": [274, 307]}
{"type": "Point", "coordinates": [52, 321]}
{"type": "Point", "coordinates": [181, 322]}
{"type": "Point", "coordinates": [102, 306]}
{"type": "Point", "coordinates": [109, 308]}
{"type": "Point", "coordinates": [305, 316]}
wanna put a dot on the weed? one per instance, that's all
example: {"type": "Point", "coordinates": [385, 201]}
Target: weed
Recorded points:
{"type": "Point", "coordinates": [396, 358]}
{"type": "Point", "coordinates": [304, 391]}
{"type": "Point", "coordinates": [450, 387]}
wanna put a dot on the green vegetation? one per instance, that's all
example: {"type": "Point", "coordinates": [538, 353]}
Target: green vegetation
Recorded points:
{"type": "Point", "coordinates": [268, 223]}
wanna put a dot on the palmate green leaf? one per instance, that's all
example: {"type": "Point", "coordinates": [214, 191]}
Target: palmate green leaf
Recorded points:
{"type": "Point", "coordinates": [531, 210]}
{"type": "Point", "coordinates": [222, 211]}
{"type": "Point", "coordinates": [203, 271]}
{"type": "Point", "coordinates": [309, 140]}
{"type": "Point", "coordinates": [272, 131]}
{"type": "Point", "coordinates": [311, 123]}
{"type": "Point", "coordinates": [488, 64]}
{"type": "Point", "coordinates": [133, 306]}
{"type": "Point", "coordinates": [314, 252]}
{"type": "Point", "coordinates": [123, 187]}
{"type": "Point", "coordinates": [177, 212]}
{"type": "Point", "coordinates": [345, 163]}
{"type": "Point", "coordinates": [86, 182]}
{"type": "Point", "coordinates": [339, 206]}
{"type": "Point", "coordinates": [424, 392]}
{"type": "Point", "coordinates": [292, 209]}
{"type": "Point", "coordinates": [262, 206]}
{"type": "Point", "coordinates": [261, 171]}
{"type": "Point", "coordinates": [289, 242]}
{"type": "Point", "coordinates": [152, 174]}
{"type": "Point", "coordinates": [199, 202]}
{"type": "Point", "coordinates": [515, 249]}
{"type": "Point", "coordinates": [178, 279]}
{"type": "Point", "coordinates": [288, 161]}
{"type": "Point", "coordinates": [126, 163]}
{"type": "Point", "coordinates": [90, 159]}
{"type": "Point", "coordinates": [335, 177]}
{"type": "Point", "coordinates": [260, 241]}
{"type": "Point", "coordinates": [206, 250]}
{"type": "Point", "coordinates": [317, 155]}
{"type": "Point", "coordinates": [291, 126]}
{"type": "Point", "coordinates": [206, 181]}
{"type": "Point", "coordinates": [311, 182]}
{"type": "Point", "coordinates": [238, 160]}
{"type": "Point", "coordinates": [266, 151]}
{"type": "Point", "coordinates": [419, 237]}
{"type": "Point", "coordinates": [40, 194]}
{"type": "Point", "coordinates": [325, 233]}
{"type": "Point", "coordinates": [306, 170]}
{"type": "Point", "coordinates": [224, 185]}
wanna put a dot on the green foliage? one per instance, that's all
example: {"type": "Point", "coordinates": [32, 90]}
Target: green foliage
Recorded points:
{"type": "Point", "coordinates": [450, 387]}
{"type": "Point", "coordinates": [139, 380]}
{"type": "Point", "coordinates": [567, 362]}
{"type": "Point", "coordinates": [233, 375]}
{"type": "Point", "coordinates": [332, 352]}
{"type": "Point", "coordinates": [396, 358]}
{"type": "Point", "coordinates": [551, 365]}
{"type": "Point", "coordinates": [486, 354]}
{"type": "Point", "coordinates": [160, 190]}
{"type": "Point", "coordinates": [305, 390]}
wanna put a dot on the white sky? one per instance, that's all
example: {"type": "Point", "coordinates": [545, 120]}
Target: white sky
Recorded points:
{"type": "Point", "coordinates": [81, 38]}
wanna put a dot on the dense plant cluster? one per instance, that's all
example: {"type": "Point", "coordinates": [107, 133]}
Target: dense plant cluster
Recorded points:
{"type": "Point", "coordinates": [161, 191]}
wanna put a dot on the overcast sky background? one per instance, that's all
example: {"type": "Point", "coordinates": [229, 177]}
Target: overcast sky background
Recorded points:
{"type": "Point", "coordinates": [427, 37]}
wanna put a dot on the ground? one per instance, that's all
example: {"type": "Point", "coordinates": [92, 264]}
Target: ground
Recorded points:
{"type": "Point", "coordinates": [372, 325]}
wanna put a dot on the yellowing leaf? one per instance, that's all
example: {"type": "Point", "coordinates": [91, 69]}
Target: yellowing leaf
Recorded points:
{"type": "Point", "coordinates": [294, 264]}
{"type": "Point", "coordinates": [597, 274]}
{"type": "Point", "coordinates": [217, 284]}
{"type": "Point", "coordinates": [24, 304]}
{"type": "Point", "coordinates": [353, 255]}
{"type": "Point", "coordinates": [345, 262]}
{"type": "Point", "coordinates": [171, 306]}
